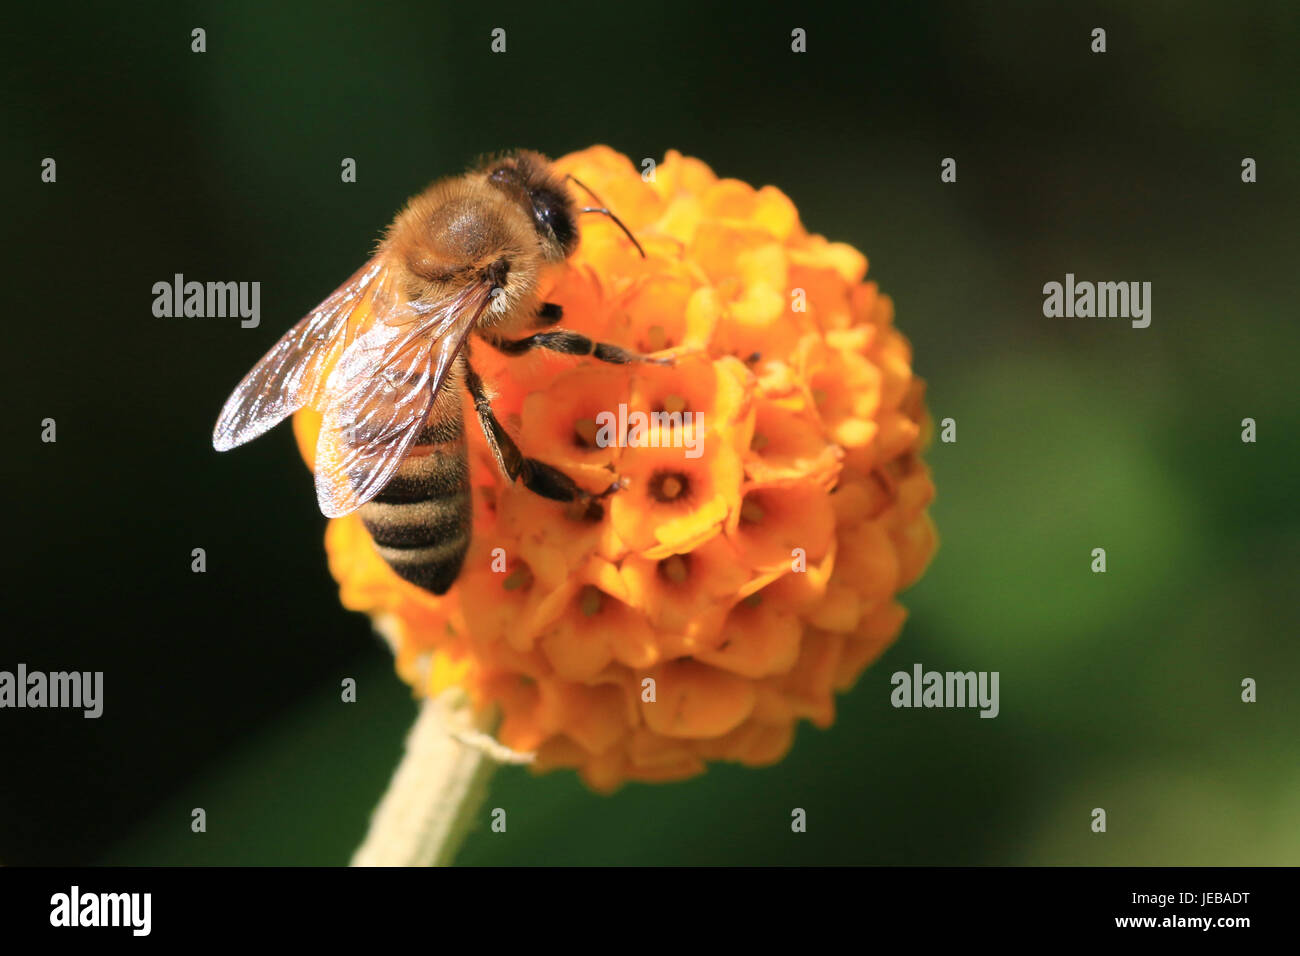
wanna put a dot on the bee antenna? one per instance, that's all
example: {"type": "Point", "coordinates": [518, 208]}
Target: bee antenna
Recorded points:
{"type": "Point", "coordinates": [618, 222]}
{"type": "Point", "coordinates": [585, 188]}
{"type": "Point", "coordinates": [601, 208]}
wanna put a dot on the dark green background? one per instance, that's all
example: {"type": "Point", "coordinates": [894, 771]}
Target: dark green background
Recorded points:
{"type": "Point", "coordinates": [1118, 691]}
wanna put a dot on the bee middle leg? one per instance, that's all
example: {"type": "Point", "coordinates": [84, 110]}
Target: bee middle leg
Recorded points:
{"type": "Point", "coordinates": [573, 343]}
{"type": "Point", "coordinates": [537, 476]}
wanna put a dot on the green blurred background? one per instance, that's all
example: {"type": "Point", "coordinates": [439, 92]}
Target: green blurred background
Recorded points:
{"type": "Point", "coordinates": [1118, 690]}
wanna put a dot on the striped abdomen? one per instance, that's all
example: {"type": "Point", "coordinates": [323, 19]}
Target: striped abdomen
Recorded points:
{"type": "Point", "coordinates": [420, 522]}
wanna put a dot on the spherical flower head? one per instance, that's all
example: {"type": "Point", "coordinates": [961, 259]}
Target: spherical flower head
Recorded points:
{"type": "Point", "coordinates": [748, 569]}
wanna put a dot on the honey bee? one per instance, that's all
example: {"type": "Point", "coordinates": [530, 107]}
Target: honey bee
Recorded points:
{"type": "Point", "coordinates": [385, 357]}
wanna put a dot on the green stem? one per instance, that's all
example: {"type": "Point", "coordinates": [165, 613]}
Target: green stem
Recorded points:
{"type": "Point", "coordinates": [436, 794]}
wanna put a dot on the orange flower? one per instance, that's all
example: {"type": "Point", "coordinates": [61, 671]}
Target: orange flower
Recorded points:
{"type": "Point", "coordinates": [773, 500]}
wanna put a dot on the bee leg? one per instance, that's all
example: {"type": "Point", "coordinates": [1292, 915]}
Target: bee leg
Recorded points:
{"type": "Point", "coordinates": [573, 343]}
{"type": "Point", "coordinates": [537, 476]}
{"type": "Point", "coordinates": [548, 315]}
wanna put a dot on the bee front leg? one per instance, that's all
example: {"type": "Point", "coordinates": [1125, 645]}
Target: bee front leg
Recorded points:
{"type": "Point", "coordinates": [573, 343]}
{"type": "Point", "coordinates": [537, 476]}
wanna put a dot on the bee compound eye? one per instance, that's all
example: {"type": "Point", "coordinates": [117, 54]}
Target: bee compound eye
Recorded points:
{"type": "Point", "coordinates": [553, 216]}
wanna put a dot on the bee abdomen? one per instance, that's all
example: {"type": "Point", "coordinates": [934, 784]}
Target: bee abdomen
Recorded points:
{"type": "Point", "coordinates": [425, 477]}
{"type": "Point", "coordinates": [420, 522]}
{"type": "Point", "coordinates": [434, 568]}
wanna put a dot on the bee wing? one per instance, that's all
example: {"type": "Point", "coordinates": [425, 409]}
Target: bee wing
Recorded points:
{"type": "Point", "coordinates": [289, 375]}
{"type": "Point", "coordinates": [379, 396]}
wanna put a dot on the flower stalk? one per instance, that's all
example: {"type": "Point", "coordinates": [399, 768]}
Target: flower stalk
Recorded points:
{"type": "Point", "coordinates": [437, 792]}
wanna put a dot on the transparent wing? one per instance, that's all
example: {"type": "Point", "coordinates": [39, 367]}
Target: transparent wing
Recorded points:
{"type": "Point", "coordinates": [379, 396]}
{"type": "Point", "coordinates": [290, 376]}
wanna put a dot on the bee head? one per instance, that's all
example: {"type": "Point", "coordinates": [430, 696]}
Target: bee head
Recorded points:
{"type": "Point", "coordinates": [528, 180]}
